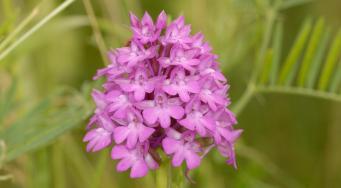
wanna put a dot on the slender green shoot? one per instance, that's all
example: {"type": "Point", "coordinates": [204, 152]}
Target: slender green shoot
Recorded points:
{"type": "Point", "coordinates": [291, 61]}
{"type": "Point", "coordinates": [35, 28]}
{"type": "Point", "coordinates": [311, 51]}
{"type": "Point", "coordinates": [329, 65]}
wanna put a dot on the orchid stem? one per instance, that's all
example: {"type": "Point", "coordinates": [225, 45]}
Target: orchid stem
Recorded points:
{"type": "Point", "coordinates": [169, 175]}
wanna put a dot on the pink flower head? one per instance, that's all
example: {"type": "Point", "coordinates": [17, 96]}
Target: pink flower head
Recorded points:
{"type": "Point", "coordinates": [164, 91]}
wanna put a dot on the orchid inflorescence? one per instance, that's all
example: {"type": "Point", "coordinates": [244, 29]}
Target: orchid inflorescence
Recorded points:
{"type": "Point", "coordinates": [163, 92]}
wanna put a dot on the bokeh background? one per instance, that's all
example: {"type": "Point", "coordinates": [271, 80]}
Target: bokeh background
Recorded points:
{"type": "Point", "coordinates": [289, 140]}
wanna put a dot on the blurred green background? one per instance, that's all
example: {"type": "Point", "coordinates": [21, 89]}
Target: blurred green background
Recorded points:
{"type": "Point", "coordinates": [291, 128]}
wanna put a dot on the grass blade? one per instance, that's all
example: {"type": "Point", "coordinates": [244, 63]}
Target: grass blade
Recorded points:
{"type": "Point", "coordinates": [95, 27]}
{"type": "Point", "coordinates": [18, 29]}
{"type": "Point", "coordinates": [264, 77]}
{"type": "Point", "coordinates": [277, 46]}
{"type": "Point", "coordinates": [292, 3]}
{"type": "Point", "coordinates": [44, 123]}
{"type": "Point", "coordinates": [99, 170]}
{"type": "Point", "coordinates": [59, 179]}
{"type": "Point", "coordinates": [312, 46]}
{"type": "Point", "coordinates": [290, 64]}
{"type": "Point", "coordinates": [336, 79]}
{"type": "Point", "coordinates": [332, 57]}
{"type": "Point", "coordinates": [317, 60]}
{"type": "Point", "coordinates": [56, 11]}
{"type": "Point", "coordinates": [7, 100]}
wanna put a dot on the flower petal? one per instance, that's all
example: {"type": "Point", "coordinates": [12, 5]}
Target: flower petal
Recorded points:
{"type": "Point", "coordinates": [164, 119]}
{"type": "Point", "coordinates": [192, 160]}
{"type": "Point", "coordinates": [119, 152]}
{"type": "Point", "coordinates": [145, 133]}
{"type": "Point", "coordinates": [170, 145]}
{"type": "Point", "coordinates": [124, 164]}
{"type": "Point", "coordinates": [176, 112]}
{"type": "Point", "coordinates": [178, 158]}
{"type": "Point", "coordinates": [120, 134]}
{"type": "Point", "coordinates": [150, 115]}
{"type": "Point", "coordinates": [139, 169]}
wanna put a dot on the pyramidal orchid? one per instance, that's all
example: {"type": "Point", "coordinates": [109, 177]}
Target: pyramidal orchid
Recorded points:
{"type": "Point", "coordinates": [164, 92]}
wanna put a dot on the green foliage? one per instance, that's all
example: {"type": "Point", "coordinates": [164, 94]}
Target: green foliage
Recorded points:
{"type": "Point", "coordinates": [307, 57]}
{"type": "Point", "coordinates": [48, 50]}
{"type": "Point", "coordinates": [44, 122]}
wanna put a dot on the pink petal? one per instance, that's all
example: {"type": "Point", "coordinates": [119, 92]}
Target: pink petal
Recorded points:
{"type": "Point", "coordinates": [183, 94]}
{"type": "Point", "coordinates": [178, 158]}
{"type": "Point", "coordinates": [187, 123]}
{"type": "Point", "coordinates": [132, 139]}
{"type": "Point", "coordinates": [193, 87]}
{"type": "Point", "coordinates": [146, 19]}
{"type": "Point", "coordinates": [90, 135]}
{"type": "Point", "coordinates": [124, 164]}
{"type": "Point", "coordinates": [192, 160]}
{"type": "Point", "coordinates": [149, 86]}
{"type": "Point", "coordinates": [91, 144]}
{"type": "Point", "coordinates": [150, 115]}
{"type": "Point", "coordinates": [169, 89]}
{"type": "Point", "coordinates": [139, 94]}
{"type": "Point", "coordinates": [134, 21]}
{"type": "Point", "coordinates": [161, 20]}
{"type": "Point", "coordinates": [139, 169]}
{"type": "Point", "coordinates": [151, 162]}
{"type": "Point", "coordinates": [145, 133]}
{"type": "Point", "coordinates": [120, 134]}
{"type": "Point", "coordinates": [176, 112]}
{"type": "Point", "coordinates": [104, 142]}
{"type": "Point", "coordinates": [119, 152]}
{"type": "Point", "coordinates": [170, 145]}
{"type": "Point", "coordinates": [201, 129]}
{"type": "Point", "coordinates": [164, 119]}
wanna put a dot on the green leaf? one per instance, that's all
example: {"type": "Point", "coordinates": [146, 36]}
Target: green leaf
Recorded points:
{"type": "Point", "coordinates": [35, 28]}
{"type": "Point", "coordinates": [277, 46]}
{"type": "Point", "coordinates": [309, 70]}
{"type": "Point", "coordinates": [333, 55]}
{"type": "Point", "coordinates": [292, 3]}
{"type": "Point", "coordinates": [316, 64]}
{"type": "Point", "coordinates": [336, 79]}
{"type": "Point", "coordinates": [46, 121]}
{"type": "Point", "coordinates": [291, 62]}
{"type": "Point", "coordinates": [6, 102]}
{"type": "Point", "coordinates": [312, 47]}
{"type": "Point", "coordinates": [267, 67]}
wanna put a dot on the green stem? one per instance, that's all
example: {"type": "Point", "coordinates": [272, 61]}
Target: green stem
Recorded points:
{"type": "Point", "coordinates": [251, 89]}
{"type": "Point", "coordinates": [98, 36]}
{"type": "Point", "coordinates": [18, 29]}
{"type": "Point", "coordinates": [59, 9]}
{"type": "Point", "coordinates": [169, 177]}
{"type": "Point", "coordinates": [300, 91]}
{"type": "Point", "coordinates": [244, 99]}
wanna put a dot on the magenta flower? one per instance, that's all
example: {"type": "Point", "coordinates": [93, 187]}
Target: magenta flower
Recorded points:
{"type": "Point", "coordinates": [130, 56]}
{"type": "Point", "coordinates": [132, 130]}
{"type": "Point", "coordinates": [139, 84]}
{"type": "Point", "coordinates": [137, 159]}
{"type": "Point", "coordinates": [183, 148]}
{"type": "Point", "coordinates": [162, 109]}
{"type": "Point", "coordinates": [98, 139]}
{"type": "Point", "coordinates": [164, 91]}
{"type": "Point", "coordinates": [180, 57]}
{"type": "Point", "coordinates": [199, 120]}
{"type": "Point", "coordinates": [180, 84]}
{"type": "Point", "coordinates": [145, 31]}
